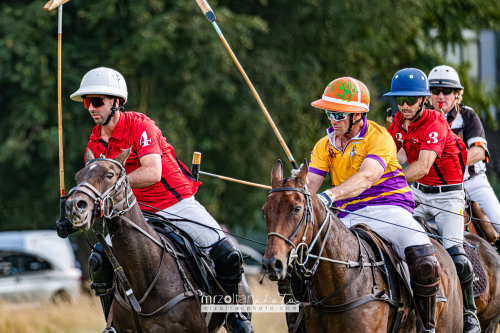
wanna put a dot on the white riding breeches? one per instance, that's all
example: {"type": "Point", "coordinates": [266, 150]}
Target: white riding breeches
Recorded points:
{"type": "Point", "coordinates": [395, 232]}
{"type": "Point", "coordinates": [192, 210]}
{"type": "Point", "coordinates": [481, 192]}
{"type": "Point", "coordinates": [448, 224]}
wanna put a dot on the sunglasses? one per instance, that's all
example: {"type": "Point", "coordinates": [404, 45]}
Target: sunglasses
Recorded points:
{"type": "Point", "coordinates": [337, 116]}
{"type": "Point", "coordinates": [445, 92]}
{"type": "Point", "coordinates": [95, 101]}
{"type": "Point", "coordinates": [410, 100]}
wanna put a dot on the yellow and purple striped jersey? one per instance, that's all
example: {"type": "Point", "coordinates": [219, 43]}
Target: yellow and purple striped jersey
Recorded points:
{"type": "Point", "coordinates": [373, 141]}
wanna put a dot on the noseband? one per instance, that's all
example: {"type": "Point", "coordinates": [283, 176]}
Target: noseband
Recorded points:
{"type": "Point", "coordinates": [307, 217]}
{"type": "Point", "coordinates": [103, 202]}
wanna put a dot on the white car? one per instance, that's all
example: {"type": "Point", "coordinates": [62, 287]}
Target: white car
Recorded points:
{"type": "Point", "coordinates": [36, 264]}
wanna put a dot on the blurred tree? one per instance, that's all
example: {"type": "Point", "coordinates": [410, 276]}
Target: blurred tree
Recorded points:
{"type": "Point", "coordinates": [179, 73]}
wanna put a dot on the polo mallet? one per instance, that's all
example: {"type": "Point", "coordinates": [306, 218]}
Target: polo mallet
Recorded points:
{"type": "Point", "coordinates": [195, 170]}
{"type": "Point", "coordinates": [209, 13]}
{"type": "Point", "coordinates": [49, 6]}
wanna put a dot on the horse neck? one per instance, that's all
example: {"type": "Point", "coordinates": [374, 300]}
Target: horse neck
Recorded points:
{"type": "Point", "coordinates": [135, 252]}
{"type": "Point", "coordinates": [341, 245]}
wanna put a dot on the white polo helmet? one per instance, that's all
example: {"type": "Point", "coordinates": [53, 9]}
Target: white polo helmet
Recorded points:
{"type": "Point", "coordinates": [444, 77]}
{"type": "Point", "coordinates": [102, 81]}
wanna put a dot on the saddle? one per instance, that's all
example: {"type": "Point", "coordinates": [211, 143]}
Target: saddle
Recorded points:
{"type": "Point", "coordinates": [479, 285]}
{"type": "Point", "coordinates": [193, 256]}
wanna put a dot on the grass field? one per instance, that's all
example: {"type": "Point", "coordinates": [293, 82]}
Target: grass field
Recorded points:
{"type": "Point", "coordinates": [86, 316]}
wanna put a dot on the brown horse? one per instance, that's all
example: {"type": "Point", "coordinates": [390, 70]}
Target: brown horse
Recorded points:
{"type": "Point", "coordinates": [140, 257]}
{"type": "Point", "coordinates": [283, 212]}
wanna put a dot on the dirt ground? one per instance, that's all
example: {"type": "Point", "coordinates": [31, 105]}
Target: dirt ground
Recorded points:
{"type": "Point", "coordinates": [86, 316]}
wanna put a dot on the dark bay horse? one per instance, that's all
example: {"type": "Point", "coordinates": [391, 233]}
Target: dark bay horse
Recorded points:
{"type": "Point", "coordinates": [140, 257]}
{"type": "Point", "coordinates": [283, 212]}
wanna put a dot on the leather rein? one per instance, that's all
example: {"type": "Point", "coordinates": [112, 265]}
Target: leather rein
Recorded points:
{"type": "Point", "coordinates": [105, 208]}
{"type": "Point", "coordinates": [302, 258]}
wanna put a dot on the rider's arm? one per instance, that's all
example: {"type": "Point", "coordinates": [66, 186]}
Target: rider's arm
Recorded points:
{"type": "Point", "coordinates": [401, 156]}
{"type": "Point", "coordinates": [368, 174]}
{"type": "Point", "coordinates": [149, 172]}
{"type": "Point", "coordinates": [475, 154]}
{"type": "Point", "coordinates": [420, 168]}
{"type": "Point", "coordinates": [315, 182]}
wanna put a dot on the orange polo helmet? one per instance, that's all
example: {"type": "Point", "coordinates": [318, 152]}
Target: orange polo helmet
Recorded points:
{"type": "Point", "coordinates": [345, 95]}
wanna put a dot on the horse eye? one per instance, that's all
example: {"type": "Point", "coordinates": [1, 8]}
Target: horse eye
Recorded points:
{"type": "Point", "coordinates": [297, 209]}
{"type": "Point", "coordinates": [110, 175]}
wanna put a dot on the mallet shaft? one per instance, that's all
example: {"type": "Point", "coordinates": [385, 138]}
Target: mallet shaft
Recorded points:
{"type": "Point", "coordinates": [59, 103]}
{"type": "Point", "coordinates": [236, 180]}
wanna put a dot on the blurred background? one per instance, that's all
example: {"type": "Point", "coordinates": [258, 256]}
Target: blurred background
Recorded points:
{"type": "Point", "coordinates": [179, 74]}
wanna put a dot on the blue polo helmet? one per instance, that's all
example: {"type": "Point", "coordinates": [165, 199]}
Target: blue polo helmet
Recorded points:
{"type": "Point", "coordinates": [409, 82]}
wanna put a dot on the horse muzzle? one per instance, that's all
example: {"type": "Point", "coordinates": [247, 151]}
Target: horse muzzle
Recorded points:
{"type": "Point", "coordinates": [79, 212]}
{"type": "Point", "coordinates": [275, 268]}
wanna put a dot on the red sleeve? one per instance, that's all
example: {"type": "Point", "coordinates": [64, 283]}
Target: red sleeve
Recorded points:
{"type": "Point", "coordinates": [392, 130]}
{"type": "Point", "coordinates": [146, 138]}
{"type": "Point", "coordinates": [433, 136]}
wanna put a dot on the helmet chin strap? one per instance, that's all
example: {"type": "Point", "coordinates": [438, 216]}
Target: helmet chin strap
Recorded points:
{"type": "Point", "coordinates": [113, 110]}
{"type": "Point", "coordinates": [351, 123]}
{"type": "Point", "coordinates": [417, 115]}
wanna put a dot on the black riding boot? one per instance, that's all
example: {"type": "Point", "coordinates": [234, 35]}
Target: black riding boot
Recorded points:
{"type": "Point", "coordinates": [292, 285]}
{"type": "Point", "coordinates": [425, 273]}
{"type": "Point", "coordinates": [228, 263]}
{"type": "Point", "coordinates": [101, 273]}
{"type": "Point", "coordinates": [465, 274]}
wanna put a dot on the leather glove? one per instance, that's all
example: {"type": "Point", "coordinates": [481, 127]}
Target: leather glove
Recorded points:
{"type": "Point", "coordinates": [65, 227]}
{"type": "Point", "coordinates": [328, 198]}
{"type": "Point", "coordinates": [295, 172]}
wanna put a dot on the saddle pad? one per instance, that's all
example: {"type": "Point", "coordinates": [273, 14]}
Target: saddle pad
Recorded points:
{"type": "Point", "coordinates": [479, 285]}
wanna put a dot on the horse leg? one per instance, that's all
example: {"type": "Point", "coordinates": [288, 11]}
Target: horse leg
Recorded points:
{"type": "Point", "coordinates": [490, 326]}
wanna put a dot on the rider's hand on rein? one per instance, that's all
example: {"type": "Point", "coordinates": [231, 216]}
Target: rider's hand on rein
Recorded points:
{"type": "Point", "coordinates": [328, 198]}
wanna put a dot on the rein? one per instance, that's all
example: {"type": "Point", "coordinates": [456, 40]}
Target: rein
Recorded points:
{"type": "Point", "coordinates": [105, 208]}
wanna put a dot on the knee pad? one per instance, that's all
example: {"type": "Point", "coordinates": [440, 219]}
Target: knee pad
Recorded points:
{"type": "Point", "coordinates": [463, 265]}
{"type": "Point", "coordinates": [425, 271]}
{"type": "Point", "coordinates": [228, 262]}
{"type": "Point", "coordinates": [101, 271]}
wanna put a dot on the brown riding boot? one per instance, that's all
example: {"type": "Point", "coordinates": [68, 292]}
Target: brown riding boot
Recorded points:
{"type": "Point", "coordinates": [425, 273]}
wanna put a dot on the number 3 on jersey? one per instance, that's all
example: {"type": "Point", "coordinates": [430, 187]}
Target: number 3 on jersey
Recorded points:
{"type": "Point", "coordinates": [433, 136]}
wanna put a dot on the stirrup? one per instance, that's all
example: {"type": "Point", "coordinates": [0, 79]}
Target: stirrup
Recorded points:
{"type": "Point", "coordinates": [109, 330]}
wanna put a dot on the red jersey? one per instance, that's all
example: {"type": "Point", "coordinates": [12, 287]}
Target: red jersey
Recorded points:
{"type": "Point", "coordinates": [138, 131]}
{"type": "Point", "coordinates": [432, 132]}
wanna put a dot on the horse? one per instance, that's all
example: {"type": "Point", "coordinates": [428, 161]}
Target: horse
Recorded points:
{"type": "Point", "coordinates": [284, 210]}
{"type": "Point", "coordinates": [155, 272]}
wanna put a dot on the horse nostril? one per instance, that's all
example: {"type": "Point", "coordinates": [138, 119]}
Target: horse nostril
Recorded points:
{"type": "Point", "coordinates": [278, 266]}
{"type": "Point", "coordinates": [81, 205]}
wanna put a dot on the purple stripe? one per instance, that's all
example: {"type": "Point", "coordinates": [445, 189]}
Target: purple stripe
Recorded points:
{"type": "Point", "coordinates": [362, 133]}
{"type": "Point", "coordinates": [318, 171]}
{"type": "Point", "coordinates": [330, 130]}
{"type": "Point", "coordinates": [388, 185]}
{"type": "Point", "coordinates": [403, 200]}
{"type": "Point", "coordinates": [378, 159]}
{"type": "Point", "coordinates": [392, 173]}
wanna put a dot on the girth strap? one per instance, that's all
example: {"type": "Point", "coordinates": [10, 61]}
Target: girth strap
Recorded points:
{"type": "Point", "coordinates": [381, 296]}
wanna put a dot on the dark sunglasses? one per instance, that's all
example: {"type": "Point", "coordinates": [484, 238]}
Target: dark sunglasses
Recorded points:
{"type": "Point", "coordinates": [337, 116]}
{"type": "Point", "coordinates": [95, 101]}
{"type": "Point", "coordinates": [410, 100]}
{"type": "Point", "coordinates": [445, 92]}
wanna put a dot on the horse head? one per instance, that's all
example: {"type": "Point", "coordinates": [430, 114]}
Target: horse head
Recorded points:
{"type": "Point", "coordinates": [100, 186]}
{"type": "Point", "coordinates": [289, 219]}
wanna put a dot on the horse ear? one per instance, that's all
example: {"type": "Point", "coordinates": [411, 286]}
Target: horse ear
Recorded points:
{"type": "Point", "coordinates": [89, 155]}
{"type": "Point", "coordinates": [122, 158]}
{"type": "Point", "coordinates": [302, 176]}
{"type": "Point", "coordinates": [277, 172]}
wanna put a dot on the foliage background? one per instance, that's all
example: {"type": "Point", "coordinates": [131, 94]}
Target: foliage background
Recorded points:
{"type": "Point", "coordinates": [179, 73]}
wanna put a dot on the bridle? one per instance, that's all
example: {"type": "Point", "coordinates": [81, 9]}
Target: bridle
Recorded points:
{"type": "Point", "coordinates": [303, 247]}
{"type": "Point", "coordinates": [104, 202]}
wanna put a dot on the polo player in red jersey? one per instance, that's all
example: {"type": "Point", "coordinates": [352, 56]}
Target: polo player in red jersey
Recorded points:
{"type": "Point", "coordinates": [437, 159]}
{"type": "Point", "coordinates": [158, 179]}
